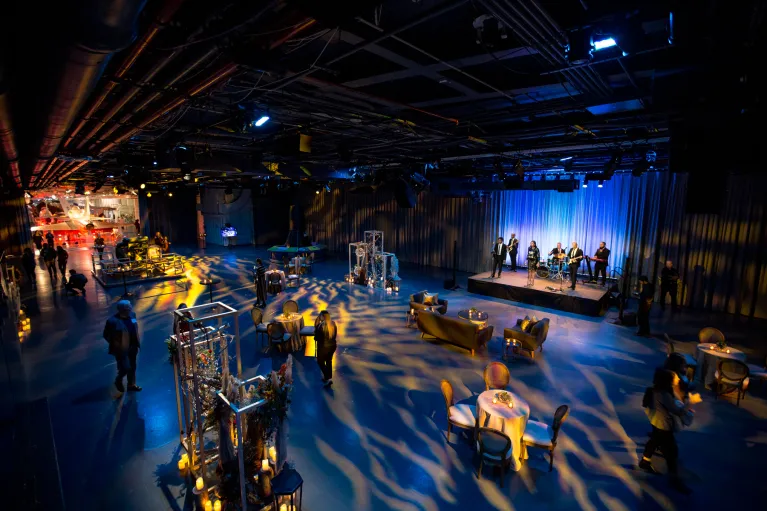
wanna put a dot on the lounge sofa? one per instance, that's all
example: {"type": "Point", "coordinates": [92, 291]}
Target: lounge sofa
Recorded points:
{"type": "Point", "coordinates": [416, 303]}
{"type": "Point", "coordinates": [454, 330]}
{"type": "Point", "coordinates": [528, 341]}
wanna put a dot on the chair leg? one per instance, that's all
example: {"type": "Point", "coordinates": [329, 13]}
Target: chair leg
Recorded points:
{"type": "Point", "coordinates": [479, 472]}
{"type": "Point", "coordinates": [551, 460]}
{"type": "Point", "coordinates": [448, 431]}
{"type": "Point", "coordinates": [502, 464]}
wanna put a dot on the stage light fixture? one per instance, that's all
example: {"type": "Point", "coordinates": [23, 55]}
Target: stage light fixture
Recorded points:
{"type": "Point", "coordinates": [170, 194]}
{"type": "Point", "coordinates": [585, 184]}
{"type": "Point", "coordinates": [263, 119]}
{"type": "Point", "coordinates": [604, 43]}
{"type": "Point", "coordinates": [142, 186]}
{"type": "Point", "coordinates": [148, 194]}
{"type": "Point", "coordinates": [566, 158]}
{"type": "Point", "coordinates": [600, 183]}
{"type": "Point", "coordinates": [327, 188]}
{"type": "Point", "coordinates": [154, 163]}
{"type": "Point", "coordinates": [317, 192]}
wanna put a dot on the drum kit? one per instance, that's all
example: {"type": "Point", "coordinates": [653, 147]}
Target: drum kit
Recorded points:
{"type": "Point", "coordinates": [552, 268]}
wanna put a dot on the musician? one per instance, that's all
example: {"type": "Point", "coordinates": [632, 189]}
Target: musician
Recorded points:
{"type": "Point", "coordinates": [669, 280]}
{"type": "Point", "coordinates": [558, 253]}
{"type": "Point", "coordinates": [533, 256]}
{"type": "Point", "coordinates": [499, 256]}
{"type": "Point", "coordinates": [513, 246]}
{"type": "Point", "coordinates": [575, 255]}
{"type": "Point", "coordinates": [600, 263]}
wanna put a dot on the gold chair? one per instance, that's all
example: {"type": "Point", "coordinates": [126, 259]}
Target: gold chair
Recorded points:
{"type": "Point", "coordinates": [543, 436]}
{"type": "Point", "coordinates": [289, 306]}
{"type": "Point", "coordinates": [277, 335]}
{"type": "Point", "coordinates": [496, 376]}
{"type": "Point", "coordinates": [731, 376]}
{"type": "Point", "coordinates": [494, 449]}
{"type": "Point", "coordinates": [710, 335]}
{"type": "Point", "coordinates": [258, 321]}
{"type": "Point", "coordinates": [459, 415]}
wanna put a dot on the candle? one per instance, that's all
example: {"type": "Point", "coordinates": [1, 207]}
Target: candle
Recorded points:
{"type": "Point", "coordinates": [199, 484]}
{"type": "Point", "coordinates": [284, 507]}
{"type": "Point", "coordinates": [728, 351]}
{"type": "Point", "coordinates": [511, 405]}
{"type": "Point", "coordinates": [208, 506]}
{"type": "Point", "coordinates": [273, 454]}
{"type": "Point", "coordinates": [264, 465]}
{"type": "Point", "coordinates": [181, 464]}
{"type": "Point", "coordinates": [495, 400]}
{"type": "Point", "coordinates": [217, 505]}
{"type": "Point", "coordinates": [185, 457]}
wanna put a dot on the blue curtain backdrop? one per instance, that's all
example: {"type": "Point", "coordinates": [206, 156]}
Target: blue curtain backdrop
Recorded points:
{"type": "Point", "coordinates": [722, 258]}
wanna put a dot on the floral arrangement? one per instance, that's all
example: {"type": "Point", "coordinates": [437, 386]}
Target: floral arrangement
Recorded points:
{"type": "Point", "coordinates": [172, 346]}
{"type": "Point", "coordinates": [504, 398]}
{"type": "Point", "coordinates": [275, 390]}
{"type": "Point", "coordinates": [394, 267]}
{"type": "Point", "coordinates": [721, 344]}
{"type": "Point", "coordinates": [473, 310]}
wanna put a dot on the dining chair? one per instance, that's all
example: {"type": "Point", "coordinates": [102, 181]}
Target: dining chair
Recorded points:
{"type": "Point", "coordinates": [258, 321]}
{"type": "Point", "coordinates": [277, 335]}
{"type": "Point", "coordinates": [458, 415]}
{"type": "Point", "coordinates": [692, 362]}
{"type": "Point", "coordinates": [289, 306]}
{"type": "Point", "coordinates": [496, 376]}
{"type": "Point", "coordinates": [710, 335]}
{"type": "Point", "coordinates": [759, 373]}
{"type": "Point", "coordinates": [494, 448]}
{"type": "Point", "coordinates": [275, 283]}
{"type": "Point", "coordinates": [731, 376]}
{"type": "Point", "coordinates": [543, 436]}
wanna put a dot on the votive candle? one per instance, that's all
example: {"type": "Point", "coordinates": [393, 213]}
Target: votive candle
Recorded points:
{"type": "Point", "coordinates": [273, 454]}
{"type": "Point", "coordinates": [199, 484]}
{"type": "Point", "coordinates": [208, 506]}
{"type": "Point", "coordinates": [284, 507]}
{"type": "Point", "coordinates": [182, 464]}
{"type": "Point", "coordinates": [264, 465]}
{"type": "Point", "coordinates": [217, 505]}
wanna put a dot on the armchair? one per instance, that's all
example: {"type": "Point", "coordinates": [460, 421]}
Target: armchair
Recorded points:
{"type": "Point", "coordinates": [527, 341]}
{"type": "Point", "coordinates": [416, 303]}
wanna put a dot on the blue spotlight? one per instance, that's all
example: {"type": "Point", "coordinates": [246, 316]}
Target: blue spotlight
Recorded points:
{"type": "Point", "coordinates": [566, 158]}
{"type": "Point", "coordinates": [604, 43]}
{"type": "Point", "coordinates": [261, 121]}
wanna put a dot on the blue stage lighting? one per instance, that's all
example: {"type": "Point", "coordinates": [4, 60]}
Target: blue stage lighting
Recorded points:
{"type": "Point", "coordinates": [604, 43]}
{"type": "Point", "coordinates": [261, 121]}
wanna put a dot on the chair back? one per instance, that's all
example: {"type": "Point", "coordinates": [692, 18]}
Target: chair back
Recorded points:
{"type": "Point", "coordinates": [559, 417]}
{"type": "Point", "coordinates": [274, 278]}
{"type": "Point", "coordinates": [496, 376]}
{"type": "Point", "coordinates": [541, 329]}
{"type": "Point", "coordinates": [289, 306]}
{"type": "Point", "coordinates": [275, 331]}
{"type": "Point", "coordinates": [733, 370]}
{"type": "Point", "coordinates": [257, 315]}
{"type": "Point", "coordinates": [710, 335]}
{"type": "Point", "coordinates": [493, 442]}
{"type": "Point", "coordinates": [447, 393]}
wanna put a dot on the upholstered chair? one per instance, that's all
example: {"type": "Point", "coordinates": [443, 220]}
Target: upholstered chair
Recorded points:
{"type": "Point", "coordinates": [458, 415]}
{"type": "Point", "coordinates": [496, 376]}
{"type": "Point", "coordinates": [541, 435]}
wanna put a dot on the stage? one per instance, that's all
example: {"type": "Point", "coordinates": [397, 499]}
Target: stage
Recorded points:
{"type": "Point", "coordinates": [587, 299]}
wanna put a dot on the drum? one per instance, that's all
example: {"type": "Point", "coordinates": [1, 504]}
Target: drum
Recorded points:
{"type": "Point", "coordinates": [542, 272]}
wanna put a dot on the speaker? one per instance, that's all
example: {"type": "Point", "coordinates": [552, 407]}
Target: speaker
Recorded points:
{"type": "Point", "coordinates": [403, 192]}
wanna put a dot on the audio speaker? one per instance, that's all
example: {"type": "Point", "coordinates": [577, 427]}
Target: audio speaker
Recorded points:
{"type": "Point", "coordinates": [404, 194]}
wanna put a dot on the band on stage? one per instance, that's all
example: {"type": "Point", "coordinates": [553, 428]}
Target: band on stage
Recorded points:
{"type": "Point", "coordinates": [559, 258]}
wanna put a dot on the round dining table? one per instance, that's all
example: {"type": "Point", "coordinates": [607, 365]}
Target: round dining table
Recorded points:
{"type": "Point", "coordinates": [709, 357]}
{"type": "Point", "coordinates": [293, 322]}
{"type": "Point", "coordinates": [511, 421]}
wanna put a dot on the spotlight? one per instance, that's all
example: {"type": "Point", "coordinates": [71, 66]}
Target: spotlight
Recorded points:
{"type": "Point", "coordinates": [604, 43]}
{"type": "Point", "coordinates": [187, 177]}
{"type": "Point", "coordinates": [327, 188]}
{"type": "Point", "coordinates": [600, 183]}
{"type": "Point", "coordinates": [317, 192]}
{"type": "Point", "coordinates": [585, 184]}
{"type": "Point", "coordinates": [260, 121]}
{"type": "Point", "coordinates": [170, 194]}
{"type": "Point", "coordinates": [148, 194]}
{"type": "Point", "coordinates": [154, 163]}
{"type": "Point", "coordinates": [142, 186]}
{"type": "Point", "coordinates": [566, 158]}
{"type": "Point", "coordinates": [87, 192]}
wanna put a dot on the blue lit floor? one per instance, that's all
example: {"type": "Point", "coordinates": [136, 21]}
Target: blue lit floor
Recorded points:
{"type": "Point", "coordinates": [377, 440]}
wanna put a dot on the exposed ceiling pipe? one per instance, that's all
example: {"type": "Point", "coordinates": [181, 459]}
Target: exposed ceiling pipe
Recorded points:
{"type": "Point", "coordinates": [287, 37]}
{"type": "Point", "coordinates": [110, 28]}
{"type": "Point", "coordinates": [166, 13]}
{"type": "Point", "coordinates": [7, 135]}
{"type": "Point", "coordinates": [72, 170]}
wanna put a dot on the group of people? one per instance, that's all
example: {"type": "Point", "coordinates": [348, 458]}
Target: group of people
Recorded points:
{"type": "Point", "coordinates": [55, 261]}
{"type": "Point", "coordinates": [571, 257]}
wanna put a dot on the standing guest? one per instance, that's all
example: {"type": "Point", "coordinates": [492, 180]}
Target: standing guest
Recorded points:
{"type": "Point", "coordinates": [533, 256]}
{"type": "Point", "coordinates": [325, 332]}
{"type": "Point", "coordinates": [260, 284]}
{"type": "Point", "coordinates": [48, 255]}
{"type": "Point", "coordinates": [669, 282]}
{"type": "Point", "coordinates": [575, 255]}
{"type": "Point", "coordinates": [499, 256]}
{"type": "Point", "coordinates": [646, 294]}
{"type": "Point", "coordinates": [49, 238]}
{"type": "Point", "coordinates": [121, 333]}
{"type": "Point", "coordinates": [183, 326]}
{"type": "Point", "coordinates": [99, 244]}
{"type": "Point", "coordinates": [513, 247]}
{"type": "Point", "coordinates": [61, 258]}
{"type": "Point", "coordinates": [121, 249]}
{"type": "Point", "coordinates": [666, 411]}
{"type": "Point", "coordinates": [137, 224]}
{"type": "Point", "coordinates": [76, 282]}
{"type": "Point", "coordinates": [37, 238]}
{"type": "Point", "coordinates": [29, 264]}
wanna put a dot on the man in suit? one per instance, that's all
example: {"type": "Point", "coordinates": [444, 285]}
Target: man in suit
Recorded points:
{"type": "Point", "coordinates": [575, 255]}
{"type": "Point", "coordinates": [499, 256]}
{"type": "Point", "coordinates": [513, 245]}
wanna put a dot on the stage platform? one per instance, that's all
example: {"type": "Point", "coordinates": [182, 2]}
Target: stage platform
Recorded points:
{"type": "Point", "coordinates": [587, 299]}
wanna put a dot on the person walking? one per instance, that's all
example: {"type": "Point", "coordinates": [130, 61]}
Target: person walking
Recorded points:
{"type": "Point", "coordinates": [62, 257]}
{"type": "Point", "coordinates": [29, 264]}
{"type": "Point", "coordinates": [50, 238]}
{"type": "Point", "coordinates": [667, 413]}
{"type": "Point", "coordinates": [121, 333]}
{"type": "Point", "coordinates": [260, 275]}
{"type": "Point", "coordinates": [48, 255]}
{"type": "Point", "coordinates": [37, 239]}
{"type": "Point", "coordinates": [325, 332]}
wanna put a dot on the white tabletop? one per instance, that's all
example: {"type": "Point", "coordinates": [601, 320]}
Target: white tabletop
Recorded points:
{"type": "Point", "coordinates": [510, 421]}
{"type": "Point", "coordinates": [708, 360]}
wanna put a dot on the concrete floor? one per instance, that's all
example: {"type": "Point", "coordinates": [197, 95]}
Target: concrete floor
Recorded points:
{"type": "Point", "coordinates": [377, 440]}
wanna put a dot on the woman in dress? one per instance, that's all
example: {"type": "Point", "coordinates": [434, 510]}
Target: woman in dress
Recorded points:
{"type": "Point", "coordinates": [325, 332]}
{"type": "Point", "coordinates": [533, 256]}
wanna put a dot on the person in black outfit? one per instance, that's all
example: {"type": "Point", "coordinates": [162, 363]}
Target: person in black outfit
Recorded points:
{"type": "Point", "coordinates": [600, 263]}
{"type": "Point", "coordinates": [499, 256]}
{"type": "Point", "coordinates": [49, 238]}
{"type": "Point", "coordinates": [76, 282]}
{"type": "Point", "coordinates": [533, 256]}
{"type": "Point", "coordinates": [99, 244]}
{"type": "Point", "coordinates": [513, 246]}
{"type": "Point", "coordinates": [62, 257]}
{"type": "Point", "coordinates": [29, 264]}
{"type": "Point", "coordinates": [575, 255]}
{"type": "Point", "coordinates": [260, 274]}
{"type": "Point", "coordinates": [48, 253]}
{"type": "Point", "coordinates": [37, 238]}
{"type": "Point", "coordinates": [669, 279]}
{"type": "Point", "coordinates": [325, 332]}
{"type": "Point", "coordinates": [646, 294]}
{"type": "Point", "coordinates": [121, 333]}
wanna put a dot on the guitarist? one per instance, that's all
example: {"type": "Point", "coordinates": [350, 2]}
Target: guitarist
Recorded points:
{"type": "Point", "coordinates": [575, 255]}
{"type": "Point", "coordinates": [600, 263]}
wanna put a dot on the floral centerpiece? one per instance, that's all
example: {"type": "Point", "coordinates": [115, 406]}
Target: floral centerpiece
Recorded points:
{"type": "Point", "coordinates": [504, 398]}
{"type": "Point", "coordinates": [721, 344]}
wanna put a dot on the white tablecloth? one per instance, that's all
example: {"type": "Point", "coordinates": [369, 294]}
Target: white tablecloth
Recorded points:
{"type": "Point", "coordinates": [708, 361]}
{"type": "Point", "coordinates": [280, 273]}
{"type": "Point", "coordinates": [510, 421]}
{"type": "Point", "coordinates": [293, 323]}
